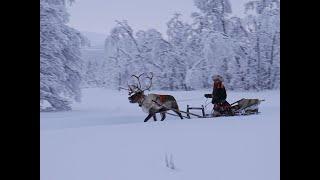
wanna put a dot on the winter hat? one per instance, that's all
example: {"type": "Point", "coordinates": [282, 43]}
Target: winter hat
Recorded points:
{"type": "Point", "coordinates": [217, 78]}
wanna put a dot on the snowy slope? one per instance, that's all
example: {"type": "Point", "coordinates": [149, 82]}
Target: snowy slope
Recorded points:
{"type": "Point", "coordinates": [104, 138]}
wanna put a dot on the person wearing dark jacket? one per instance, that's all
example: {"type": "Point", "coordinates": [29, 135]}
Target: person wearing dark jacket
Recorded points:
{"type": "Point", "coordinates": [219, 96]}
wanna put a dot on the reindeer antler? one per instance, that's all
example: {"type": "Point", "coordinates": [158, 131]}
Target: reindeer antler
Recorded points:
{"type": "Point", "coordinates": [138, 78]}
{"type": "Point", "coordinates": [149, 77]}
{"type": "Point", "coordinates": [130, 88]}
{"type": "Point", "coordinates": [138, 86]}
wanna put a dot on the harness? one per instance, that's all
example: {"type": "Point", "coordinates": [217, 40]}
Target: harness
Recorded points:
{"type": "Point", "coordinates": [161, 98]}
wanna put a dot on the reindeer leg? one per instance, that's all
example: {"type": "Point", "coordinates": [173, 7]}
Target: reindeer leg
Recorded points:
{"type": "Point", "coordinates": [154, 117]}
{"type": "Point", "coordinates": [178, 112]}
{"type": "Point", "coordinates": [148, 117]}
{"type": "Point", "coordinates": [163, 115]}
{"type": "Point", "coordinates": [176, 109]}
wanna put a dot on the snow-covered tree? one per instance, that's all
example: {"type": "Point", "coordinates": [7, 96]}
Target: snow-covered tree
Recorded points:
{"type": "Point", "coordinates": [244, 51]}
{"type": "Point", "coordinates": [263, 23]}
{"type": "Point", "coordinates": [144, 51]}
{"type": "Point", "coordinates": [222, 43]}
{"type": "Point", "coordinates": [215, 13]}
{"type": "Point", "coordinates": [178, 33]}
{"type": "Point", "coordinates": [60, 61]}
{"type": "Point", "coordinates": [125, 53]}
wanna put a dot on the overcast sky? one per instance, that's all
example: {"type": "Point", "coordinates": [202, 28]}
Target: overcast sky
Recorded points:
{"type": "Point", "coordinates": [99, 15]}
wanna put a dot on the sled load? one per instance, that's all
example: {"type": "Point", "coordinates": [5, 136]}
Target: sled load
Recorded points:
{"type": "Point", "coordinates": [240, 107]}
{"type": "Point", "coordinates": [246, 106]}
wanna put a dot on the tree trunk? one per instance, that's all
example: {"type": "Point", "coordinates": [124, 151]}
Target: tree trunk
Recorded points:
{"type": "Point", "coordinates": [259, 64]}
{"type": "Point", "coordinates": [271, 61]}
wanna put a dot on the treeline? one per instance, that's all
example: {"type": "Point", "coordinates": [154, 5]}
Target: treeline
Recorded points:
{"type": "Point", "coordinates": [245, 51]}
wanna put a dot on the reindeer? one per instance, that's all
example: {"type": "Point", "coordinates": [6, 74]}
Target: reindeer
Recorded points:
{"type": "Point", "coordinates": [152, 103]}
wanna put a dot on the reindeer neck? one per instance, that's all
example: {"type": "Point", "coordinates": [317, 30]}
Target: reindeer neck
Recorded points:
{"type": "Point", "coordinates": [143, 97]}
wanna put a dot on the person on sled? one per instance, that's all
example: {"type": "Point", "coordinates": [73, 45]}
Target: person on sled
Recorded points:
{"type": "Point", "coordinates": [219, 96]}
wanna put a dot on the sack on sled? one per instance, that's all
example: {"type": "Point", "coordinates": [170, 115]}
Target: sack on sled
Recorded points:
{"type": "Point", "coordinates": [246, 105]}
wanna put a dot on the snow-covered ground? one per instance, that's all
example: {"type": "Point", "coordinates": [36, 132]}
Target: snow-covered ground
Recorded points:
{"type": "Point", "coordinates": [105, 138]}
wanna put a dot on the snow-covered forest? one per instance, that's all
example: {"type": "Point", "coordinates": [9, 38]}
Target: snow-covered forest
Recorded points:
{"type": "Point", "coordinates": [245, 51]}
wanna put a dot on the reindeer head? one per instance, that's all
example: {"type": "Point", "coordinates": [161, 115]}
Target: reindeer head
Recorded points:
{"type": "Point", "coordinates": [135, 94]}
{"type": "Point", "coordinates": [137, 90]}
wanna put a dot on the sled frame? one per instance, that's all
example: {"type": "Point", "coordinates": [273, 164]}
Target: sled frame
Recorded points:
{"type": "Point", "coordinates": [187, 114]}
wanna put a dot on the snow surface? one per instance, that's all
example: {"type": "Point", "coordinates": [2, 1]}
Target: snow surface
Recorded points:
{"type": "Point", "coordinates": [105, 138]}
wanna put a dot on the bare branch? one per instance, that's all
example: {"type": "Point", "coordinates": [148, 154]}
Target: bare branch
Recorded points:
{"type": "Point", "coordinates": [125, 53]}
{"type": "Point", "coordinates": [130, 34]}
